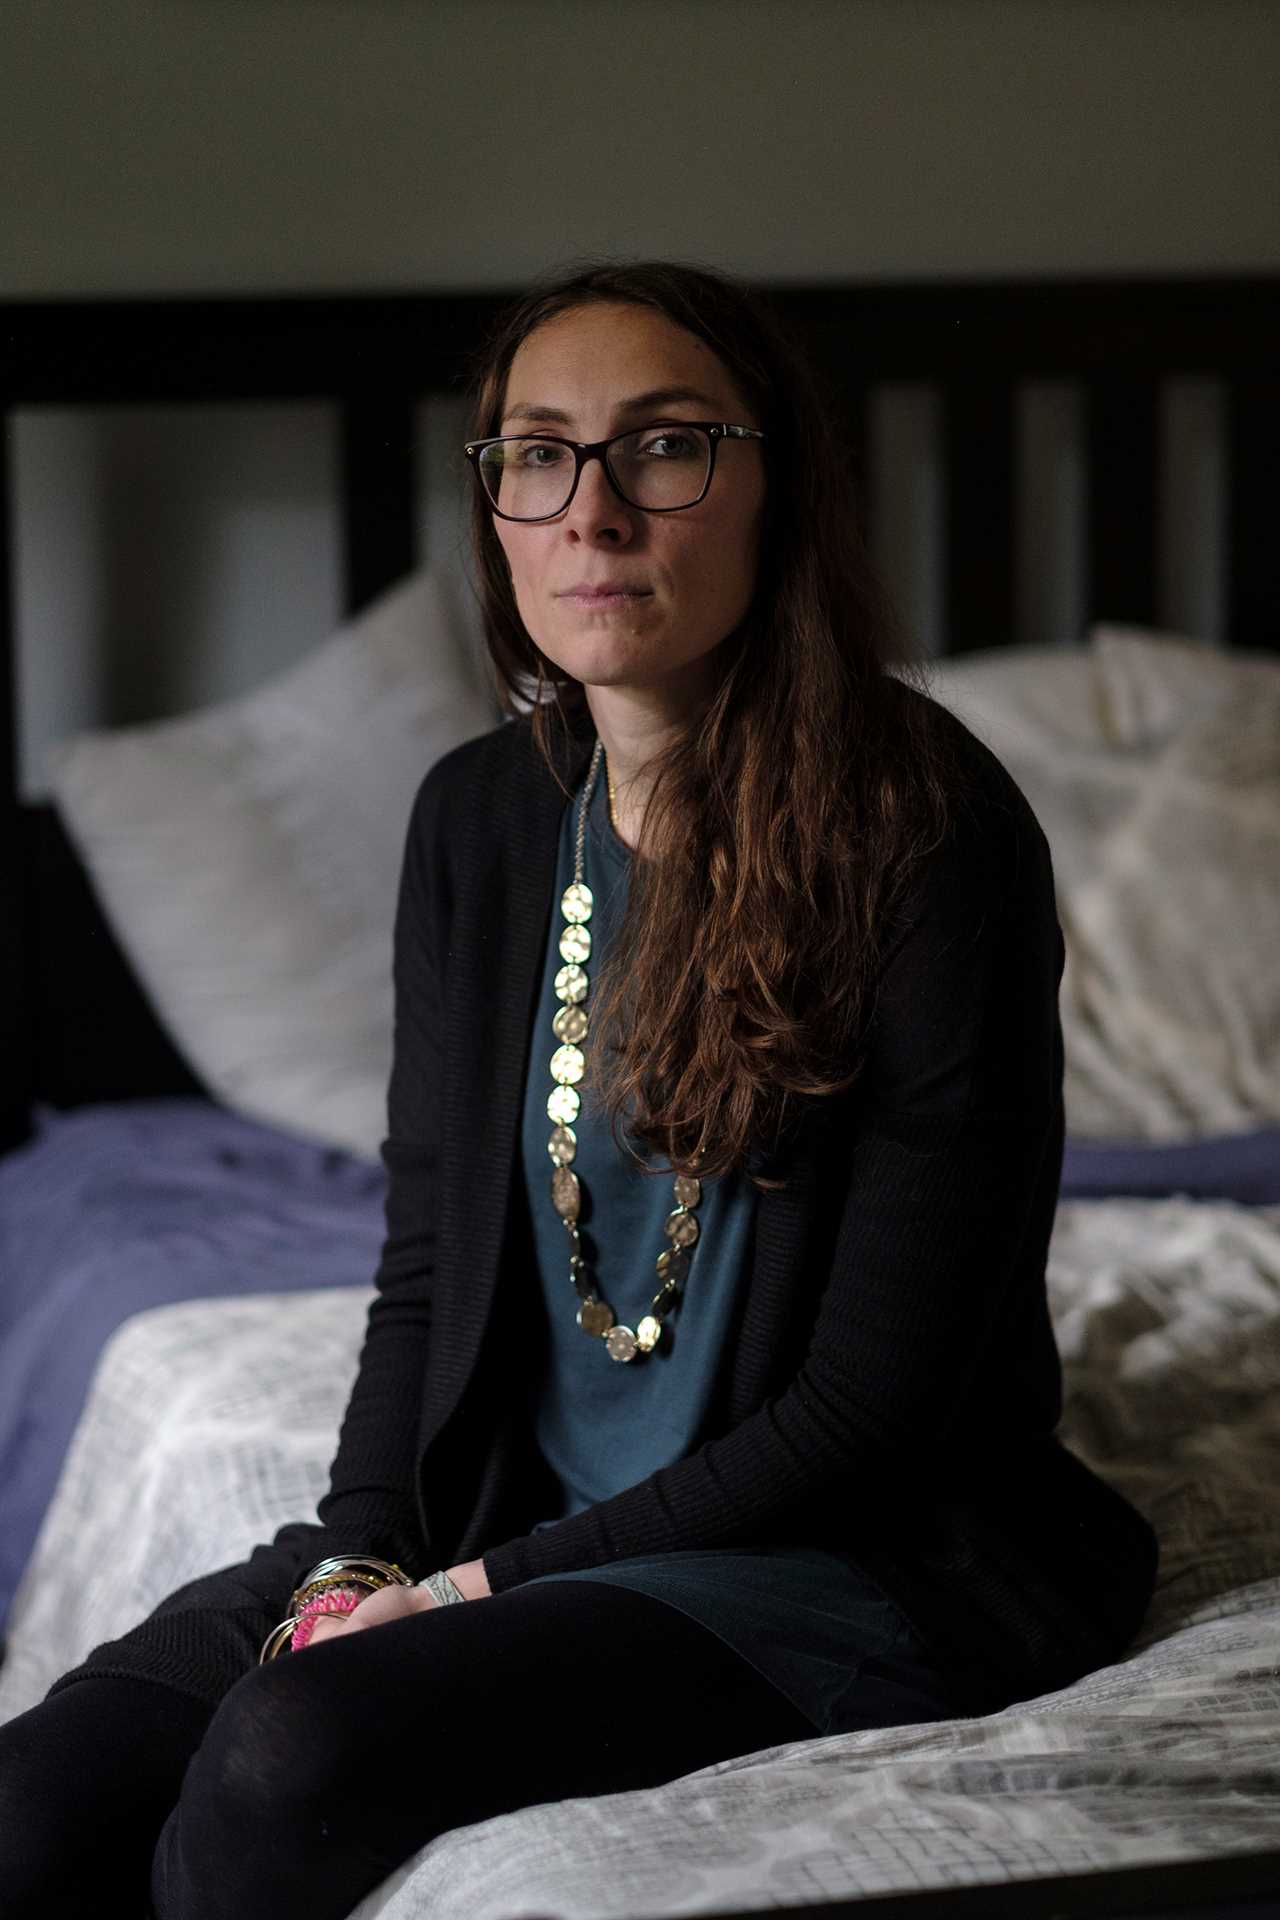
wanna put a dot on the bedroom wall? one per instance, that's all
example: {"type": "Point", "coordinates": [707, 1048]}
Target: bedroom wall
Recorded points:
{"type": "Point", "coordinates": [262, 145]}
{"type": "Point", "coordinates": [203, 144]}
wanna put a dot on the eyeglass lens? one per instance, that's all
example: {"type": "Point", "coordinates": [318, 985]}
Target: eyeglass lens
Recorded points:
{"type": "Point", "coordinates": [660, 467]}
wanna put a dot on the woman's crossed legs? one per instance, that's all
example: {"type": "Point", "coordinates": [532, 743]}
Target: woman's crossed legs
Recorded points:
{"type": "Point", "coordinates": [323, 1771]}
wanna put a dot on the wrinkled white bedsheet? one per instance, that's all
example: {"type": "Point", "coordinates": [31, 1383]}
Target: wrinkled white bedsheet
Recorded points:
{"type": "Point", "coordinates": [211, 1423]}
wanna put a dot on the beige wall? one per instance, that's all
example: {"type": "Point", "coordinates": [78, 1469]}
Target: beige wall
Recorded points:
{"type": "Point", "coordinates": [325, 144]}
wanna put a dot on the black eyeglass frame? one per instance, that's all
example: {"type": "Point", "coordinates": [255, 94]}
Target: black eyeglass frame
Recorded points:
{"type": "Point", "coordinates": [584, 450]}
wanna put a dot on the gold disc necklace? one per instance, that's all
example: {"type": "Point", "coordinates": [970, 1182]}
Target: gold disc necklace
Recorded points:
{"type": "Point", "coordinates": [568, 1064]}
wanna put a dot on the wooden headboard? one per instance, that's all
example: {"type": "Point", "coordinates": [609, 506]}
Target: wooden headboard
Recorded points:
{"type": "Point", "coordinates": [75, 1026]}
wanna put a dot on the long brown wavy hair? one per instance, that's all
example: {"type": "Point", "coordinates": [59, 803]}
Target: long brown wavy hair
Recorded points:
{"type": "Point", "coordinates": [782, 825]}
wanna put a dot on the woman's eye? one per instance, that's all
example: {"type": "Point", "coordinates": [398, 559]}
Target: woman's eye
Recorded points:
{"type": "Point", "coordinates": [528, 450]}
{"type": "Point", "coordinates": [678, 445]}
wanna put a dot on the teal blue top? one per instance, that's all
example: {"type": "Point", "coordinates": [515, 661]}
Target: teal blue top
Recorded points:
{"type": "Point", "coordinates": [605, 1424]}
{"type": "Point", "coordinates": [807, 1619]}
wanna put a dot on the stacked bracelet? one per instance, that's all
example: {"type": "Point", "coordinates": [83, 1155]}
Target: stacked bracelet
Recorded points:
{"type": "Point", "coordinates": [329, 1588]}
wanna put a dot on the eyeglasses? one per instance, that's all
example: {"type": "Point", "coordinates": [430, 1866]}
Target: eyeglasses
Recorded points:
{"type": "Point", "coordinates": [661, 468]}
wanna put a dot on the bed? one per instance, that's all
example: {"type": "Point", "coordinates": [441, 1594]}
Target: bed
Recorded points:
{"type": "Point", "coordinates": [195, 1050]}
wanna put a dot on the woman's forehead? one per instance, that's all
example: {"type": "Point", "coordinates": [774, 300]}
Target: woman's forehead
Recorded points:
{"type": "Point", "coordinates": [613, 355]}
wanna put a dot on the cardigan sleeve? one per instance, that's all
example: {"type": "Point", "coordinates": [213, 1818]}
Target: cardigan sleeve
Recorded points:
{"type": "Point", "coordinates": [957, 1105]}
{"type": "Point", "coordinates": [203, 1637]}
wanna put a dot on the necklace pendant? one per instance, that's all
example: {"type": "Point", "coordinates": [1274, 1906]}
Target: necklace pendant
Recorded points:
{"type": "Point", "coordinates": [566, 1193]}
{"type": "Point", "coordinates": [576, 902]}
{"type": "Point", "coordinates": [571, 984]}
{"type": "Point", "coordinates": [570, 1023]}
{"type": "Point", "coordinates": [563, 1104]}
{"type": "Point", "coordinates": [673, 1266]}
{"type": "Point", "coordinates": [575, 944]}
{"type": "Point", "coordinates": [648, 1333]}
{"type": "Point", "coordinates": [568, 1064]}
{"type": "Point", "coordinates": [681, 1226]}
{"type": "Point", "coordinates": [622, 1343]}
{"type": "Point", "coordinates": [595, 1317]}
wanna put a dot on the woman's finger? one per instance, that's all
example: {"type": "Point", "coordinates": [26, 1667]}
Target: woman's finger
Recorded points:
{"type": "Point", "coordinates": [388, 1603]}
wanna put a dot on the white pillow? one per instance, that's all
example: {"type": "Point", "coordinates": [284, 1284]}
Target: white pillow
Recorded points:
{"type": "Point", "coordinates": [1172, 992]}
{"type": "Point", "coordinates": [1151, 684]}
{"type": "Point", "coordinates": [247, 858]}
{"type": "Point", "coordinates": [1153, 764]}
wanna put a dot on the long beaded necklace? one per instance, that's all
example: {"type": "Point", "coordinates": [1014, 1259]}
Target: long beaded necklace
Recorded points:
{"type": "Point", "coordinates": [568, 1063]}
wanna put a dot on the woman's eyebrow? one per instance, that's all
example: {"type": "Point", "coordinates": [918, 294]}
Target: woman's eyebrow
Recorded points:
{"type": "Point", "coordinates": [639, 402]}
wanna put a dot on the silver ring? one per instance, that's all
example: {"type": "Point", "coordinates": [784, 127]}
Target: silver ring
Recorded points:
{"type": "Point", "coordinates": [442, 1589]}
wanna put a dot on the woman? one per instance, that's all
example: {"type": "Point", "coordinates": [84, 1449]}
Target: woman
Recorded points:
{"type": "Point", "coordinates": [711, 1352]}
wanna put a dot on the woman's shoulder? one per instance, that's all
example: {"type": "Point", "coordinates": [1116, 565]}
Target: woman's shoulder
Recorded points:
{"type": "Point", "coordinates": [500, 769]}
{"type": "Point", "coordinates": [470, 760]}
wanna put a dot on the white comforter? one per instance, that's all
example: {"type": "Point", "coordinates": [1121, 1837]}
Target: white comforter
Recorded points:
{"type": "Point", "coordinates": [212, 1423]}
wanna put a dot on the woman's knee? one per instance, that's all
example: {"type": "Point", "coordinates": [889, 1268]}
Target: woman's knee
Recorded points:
{"type": "Point", "coordinates": [276, 1742]}
{"type": "Point", "coordinates": [265, 1820]}
{"type": "Point", "coordinates": [86, 1780]}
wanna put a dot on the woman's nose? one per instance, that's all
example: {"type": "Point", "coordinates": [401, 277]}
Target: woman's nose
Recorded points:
{"type": "Point", "coordinates": [595, 504]}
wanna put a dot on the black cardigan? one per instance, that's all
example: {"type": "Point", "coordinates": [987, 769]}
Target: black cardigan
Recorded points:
{"type": "Point", "coordinates": [893, 1386]}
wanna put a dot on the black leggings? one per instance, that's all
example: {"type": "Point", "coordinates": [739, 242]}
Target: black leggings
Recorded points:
{"type": "Point", "coordinates": [322, 1772]}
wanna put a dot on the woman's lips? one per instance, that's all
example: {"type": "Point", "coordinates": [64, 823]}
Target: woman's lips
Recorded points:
{"type": "Point", "coordinates": [601, 600]}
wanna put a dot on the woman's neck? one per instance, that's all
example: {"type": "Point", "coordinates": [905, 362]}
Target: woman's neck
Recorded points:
{"type": "Point", "coordinates": [634, 731]}
{"type": "Point", "coordinates": [626, 823]}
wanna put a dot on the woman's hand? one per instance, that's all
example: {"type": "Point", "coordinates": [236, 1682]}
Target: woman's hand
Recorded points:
{"type": "Point", "coordinates": [395, 1602]}
{"type": "Point", "coordinates": [388, 1603]}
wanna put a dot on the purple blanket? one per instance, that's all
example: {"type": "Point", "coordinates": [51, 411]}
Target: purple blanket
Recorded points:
{"type": "Point", "coordinates": [1244, 1167]}
{"type": "Point", "coordinates": [110, 1210]}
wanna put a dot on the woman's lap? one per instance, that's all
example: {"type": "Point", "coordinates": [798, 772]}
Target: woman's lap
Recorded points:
{"type": "Point", "coordinates": [324, 1771]}
{"type": "Point", "coordinates": [320, 1773]}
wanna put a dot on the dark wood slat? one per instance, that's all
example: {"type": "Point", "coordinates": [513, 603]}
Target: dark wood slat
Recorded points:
{"type": "Point", "coordinates": [1048, 329]}
{"type": "Point", "coordinates": [1253, 513]}
{"type": "Point", "coordinates": [306, 345]}
{"type": "Point", "coordinates": [1121, 522]}
{"type": "Point", "coordinates": [978, 453]}
{"type": "Point", "coordinates": [295, 346]}
{"type": "Point", "coordinates": [378, 495]}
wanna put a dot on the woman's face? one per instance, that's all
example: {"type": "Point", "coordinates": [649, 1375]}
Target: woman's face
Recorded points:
{"type": "Point", "coordinates": [583, 375]}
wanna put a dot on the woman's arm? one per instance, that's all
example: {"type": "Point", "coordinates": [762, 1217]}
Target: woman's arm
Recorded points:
{"type": "Point", "coordinates": [960, 1101]}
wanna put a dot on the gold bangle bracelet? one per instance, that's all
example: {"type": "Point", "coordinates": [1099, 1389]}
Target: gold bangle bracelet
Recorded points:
{"type": "Point", "coordinates": [277, 1639]}
{"type": "Point", "coordinates": [362, 1570]}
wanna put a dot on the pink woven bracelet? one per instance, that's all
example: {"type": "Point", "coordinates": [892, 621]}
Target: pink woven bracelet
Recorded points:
{"type": "Point", "coordinates": [332, 1600]}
